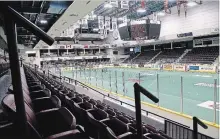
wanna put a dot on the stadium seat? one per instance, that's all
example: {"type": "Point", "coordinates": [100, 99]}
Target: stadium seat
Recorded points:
{"type": "Point", "coordinates": [46, 122]}
{"type": "Point", "coordinates": [116, 129]}
{"type": "Point", "coordinates": [94, 118]}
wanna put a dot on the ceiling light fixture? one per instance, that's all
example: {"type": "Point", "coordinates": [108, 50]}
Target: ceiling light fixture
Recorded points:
{"type": "Point", "coordinates": [191, 4]}
{"type": "Point", "coordinates": [43, 21]}
{"type": "Point", "coordinates": [107, 5]}
{"type": "Point", "coordinates": [161, 13]}
{"type": "Point", "coordinates": [141, 10]}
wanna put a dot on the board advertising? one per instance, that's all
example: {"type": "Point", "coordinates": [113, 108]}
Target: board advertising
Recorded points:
{"type": "Point", "coordinates": [179, 67]}
{"type": "Point", "coordinates": [167, 67]}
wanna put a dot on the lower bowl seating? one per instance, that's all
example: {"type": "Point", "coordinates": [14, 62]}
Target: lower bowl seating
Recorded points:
{"type": "Point", "coordinates": [73, 115]}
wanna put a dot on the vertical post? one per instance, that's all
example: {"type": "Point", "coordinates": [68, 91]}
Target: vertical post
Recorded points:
{"type": "Point", "coordinates": [215, 98]}
{"type": "Point", "coordinates": [102, 77]}
{"type": "Point", "coordinates": [195, 129]}
{"type": "Point", "coordinates": [90, 76]}
{"type": "Point", "coordinates": [158, 89]}
{"type": "Point", "coordinates": [138, 112]}
{"type": "Point", "coordinates": [181, 95]}
{"type": "Point", "coordinates": [73, 73]}
{"type": "Point", "coordinates": [123, 79]}
{"type": "Point", "coordinates": [110, 79]}
{"type": "Point", "coordinates": [96, 77]}
{"type": "Point", "coordinates": [116, 81]}
{"type": "Point", "coordinates": [76, 73]}
{"type": "Point", "coordinates": [21, 119]}
{"type": "Point", "coordinates": [139, 77]}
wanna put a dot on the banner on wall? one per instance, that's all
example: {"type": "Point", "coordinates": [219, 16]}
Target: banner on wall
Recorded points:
{"type": "Point", "coordinates": [193, 67]}
{"type": "Point", "coordinates": [101, 22]}
{"type": "Point", "coordinates": [211, 69]}
{"type": "Point", "coordinates": [148, 66]}
{"type": "Point", "coordinates": [114, 23]}
{"type": "Point", "coordinates": [168, 67]}
{"type": "Point", "coordinates": [180, 67]}
{"type": "Point", "coordinates": [125, 4]}
{"type": "Point", "coordinates": [107, 23]}
{"type": "Point", "coordinates": [67, 68]}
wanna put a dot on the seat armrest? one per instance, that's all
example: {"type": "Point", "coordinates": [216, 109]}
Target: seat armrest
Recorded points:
{"type": "Point", "coordinates": [104, 120]}
{"type": "Point", "coordinates": [44, 103]}
{"type": "Point", "coordinates": [66, 134]}
{"type": "Point", "coordinates": [125, 135]}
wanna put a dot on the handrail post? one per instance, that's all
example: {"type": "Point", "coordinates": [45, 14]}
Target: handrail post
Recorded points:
{"type": "Point", "coordinates": [196, 121]}
{"type": "Point", "coordinates": [138, 112]}
{"type": "Point", "coordinates": [137, 90]}
{"type": "Point", "coordinates": [21, 119]}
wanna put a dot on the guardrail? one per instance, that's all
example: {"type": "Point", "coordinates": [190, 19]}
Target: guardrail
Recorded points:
{"type": "Point", "coordinates": [70, 80]}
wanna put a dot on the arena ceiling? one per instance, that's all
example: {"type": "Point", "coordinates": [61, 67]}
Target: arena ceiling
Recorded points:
{"type": "Point", "coordinates": [56, 16]}
{"type": "Point", "coordinates": [131, 13]}
{"type": "Point", "coordinates": [42, 13]}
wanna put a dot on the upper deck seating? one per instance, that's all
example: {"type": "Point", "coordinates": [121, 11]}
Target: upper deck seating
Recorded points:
{"type": "Point", "coordinates": [201, 55]}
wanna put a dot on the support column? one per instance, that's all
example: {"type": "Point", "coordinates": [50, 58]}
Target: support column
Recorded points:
{"type": "Point", "coordinates": [154, 47]}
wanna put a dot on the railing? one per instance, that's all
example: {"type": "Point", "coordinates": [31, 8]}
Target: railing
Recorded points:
{"type": "Point", "coordinates": [167, 87]}
{"type": "Point", "coordinates": [173, 129]}
{"type": "Point", "coordinates": [176, 131]}
{"type": "Point", "coordinates": [76, 82]}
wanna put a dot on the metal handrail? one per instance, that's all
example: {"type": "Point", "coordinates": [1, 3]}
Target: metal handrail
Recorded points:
{"type": "Point", "coordinates": [121, 102]}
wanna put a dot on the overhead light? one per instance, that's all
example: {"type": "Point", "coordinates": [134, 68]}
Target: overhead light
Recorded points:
{"type": "Point", "coordinates": [191, 3]}
{"type": "Point", "coordinates": [161, 13]}
{"type": "Point", "coordinates": [95, 29]}
{"type": "Point", "coordinates": [141, 10]}
{"type": "Point", "coordinates": [43, 21]}
{"type": "Point", "coordinates": [120, 18]}
{"type": "Point", "coordinates": [108, 5]}
{"type": "Point", "coordinates": [94, 15]}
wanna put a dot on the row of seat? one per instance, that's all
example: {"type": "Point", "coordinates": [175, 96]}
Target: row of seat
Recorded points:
{"type": "Point", "coordinates": [3, 68]}
{"type": "Point", "coordinates": [99, 120]}
{"type": "Point", "coordinates": [45, 116]}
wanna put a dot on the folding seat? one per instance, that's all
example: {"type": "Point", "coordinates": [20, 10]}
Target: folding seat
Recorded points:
{"type": "Point", "coordinates": [151, 129]}
{"type": "Point", "coordinates": [93, 102]}
{"type": "Point", "coordinates": [133, 128]}
{"type": "Point", "coordinates": [94, 118]}
{"type": "Point", "coordinates": [80, 111]}
{"type": "Point", "coordinates": [45, 123]}
{"type": "Point", "coordinates": [110, 113]}
{"type": "Point", "coordinates": [42, 103]}
{"type": "Point", "coordinates": [115, 129]}
{"type": "Point", "coordinates": [86, 98]}
{"type": "Point", "coordinates": [99, 106]}
{"type": "Point", "coordinates": [77, 99]}
{"type": "Point", "coordinates": [123, 119]}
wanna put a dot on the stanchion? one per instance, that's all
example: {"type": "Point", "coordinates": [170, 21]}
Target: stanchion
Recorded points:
{"type": "Point", "coordinates": [123, 79]}
{"type": "Point", "coordinates": [139, 77]}
{"type": "Point", "coordinates": [215, 98]}
{"type": "Point", "coordinates": [158, 89]}
{"type": "Point", "coordinates": [196, 121]}
{"type": "Point", "coordinates": [102, 77]}
{"type": "Point", "coordinates": [110, 79]}
{"type": "Point", "coordinates": [96, 77]}
{"type": "Point", "coordinates": [181, 95]}
{"type": "Point", "coordinates": [116, 81]}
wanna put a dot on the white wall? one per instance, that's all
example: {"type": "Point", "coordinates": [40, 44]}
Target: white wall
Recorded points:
{"type": "Point", "coordinates": [200, 20]}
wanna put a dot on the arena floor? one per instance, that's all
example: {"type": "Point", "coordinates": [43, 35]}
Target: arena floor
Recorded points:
{"type": "Point", "coordinates": [198, 88]}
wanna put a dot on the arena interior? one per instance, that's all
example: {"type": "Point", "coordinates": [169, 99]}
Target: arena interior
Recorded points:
{"type": "Point", "coordinates": [109, 69]}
